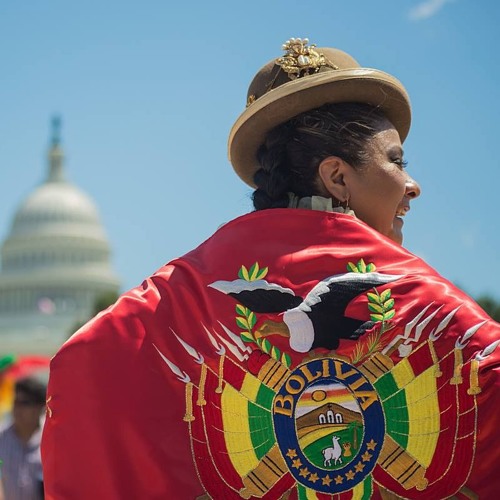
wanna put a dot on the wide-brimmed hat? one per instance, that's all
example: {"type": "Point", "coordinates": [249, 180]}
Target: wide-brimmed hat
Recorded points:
{"type": "Point", "coordinates": [305, 78]}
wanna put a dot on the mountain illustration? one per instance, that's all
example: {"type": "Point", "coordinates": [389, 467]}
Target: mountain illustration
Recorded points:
{"type": "Point", "coordinates": [329, 416]}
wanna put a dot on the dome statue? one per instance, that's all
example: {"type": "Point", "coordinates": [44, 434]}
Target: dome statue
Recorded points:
{"type": "Point", "coordinates": [55, 263]}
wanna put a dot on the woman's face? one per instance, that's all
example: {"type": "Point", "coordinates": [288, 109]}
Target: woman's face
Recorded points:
{"type": "Point", "coordinates": [380, 191]}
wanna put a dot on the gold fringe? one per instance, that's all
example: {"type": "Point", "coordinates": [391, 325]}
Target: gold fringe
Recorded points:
{"type": "Point", "coordinates": [221, 374]}
{"type": "Point", "coordinates": [201, 388]}
{"type": "Point", "coordinates": [49, 409]}
{"type": "Point", "coordinates": [457, 373]}
{"type": "Point", "coordinates": [473, 378]}
{"type": "Point", "coordinates": [435, 359]}
{"type": "Point", "coordinates": [189, 417]}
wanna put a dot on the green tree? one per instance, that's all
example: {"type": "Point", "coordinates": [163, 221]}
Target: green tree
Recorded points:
{"type": "Point", "coordinates": [490, 305]}
{"type": "Point", "coordinates": [355, 429]}
{"type": "Point", "coordinates": [102, 301]}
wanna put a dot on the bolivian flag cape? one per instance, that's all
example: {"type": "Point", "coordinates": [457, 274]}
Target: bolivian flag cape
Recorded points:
{"type": "Point", "coordinates": [295, 354]}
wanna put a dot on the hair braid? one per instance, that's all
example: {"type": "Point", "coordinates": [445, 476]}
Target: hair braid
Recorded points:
{"type": "Point", "coordinates": [273, 178]}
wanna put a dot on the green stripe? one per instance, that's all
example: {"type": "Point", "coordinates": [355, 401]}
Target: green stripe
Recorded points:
{"type": "Point", "coordinates": [260, 421]}
{"type": "Point", "coordinates": [367, 488]}
{"type": "Point", "coordinates": [395, 408]}
{"type": "Point", "coordinates": [301, 492]}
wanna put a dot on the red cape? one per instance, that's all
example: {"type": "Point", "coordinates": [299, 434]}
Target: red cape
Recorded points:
{"type": "Point", "coordinates": [181, 388]}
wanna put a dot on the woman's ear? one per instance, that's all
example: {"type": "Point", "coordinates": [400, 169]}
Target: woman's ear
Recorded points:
{"type": "Point", "coordinates": [331, 173]}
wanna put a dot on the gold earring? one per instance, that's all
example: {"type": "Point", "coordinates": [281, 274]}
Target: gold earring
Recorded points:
{"type": "Point", "coordinates": [346, 205]}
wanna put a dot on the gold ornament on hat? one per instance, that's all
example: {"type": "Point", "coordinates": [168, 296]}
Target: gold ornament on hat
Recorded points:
{"type": "Point", "coordinates": [301, 59]}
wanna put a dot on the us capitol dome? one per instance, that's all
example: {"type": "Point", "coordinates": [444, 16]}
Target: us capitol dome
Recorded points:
{"type": "Point", "coordinates": [55, 263]}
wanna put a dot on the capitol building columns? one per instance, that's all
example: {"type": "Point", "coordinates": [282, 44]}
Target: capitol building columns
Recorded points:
{"type": "Point", "coordinates": [54, 263]}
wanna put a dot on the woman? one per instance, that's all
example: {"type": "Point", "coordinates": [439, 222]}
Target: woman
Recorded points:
{"type": "Point", "coordinates": [300, 352]}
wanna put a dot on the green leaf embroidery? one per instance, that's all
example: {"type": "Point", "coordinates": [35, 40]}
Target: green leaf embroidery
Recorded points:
{"type": "Point", "coordinates": [375, 308]}
{"type": "Point", "coordinates": [286, 359]}
{"type": "Point", "coordinates": [262, 273]}
{"type": "Point", "coordinates": [388, 304]}
{"type": "Point", "coordinates": [362, 266]}
{"type": "Point", "coordinates": [390, 314]}
{"type": "Point", "coordinates": [247, 319]}
{"type": "Point", "coordinates": [247, 337]}
{"type": "Point", "coordinates": [243, 273]}
{"type": "Point", "coordinates": [275, 352]}
{"type": "Point", "coordinates": [266, 346]}
{"type": "Point", "coordinates": [241, 310]}
{"type": "Point", "coordinates": [242, 322]}
{"type": "Point", "coordinates": [252, 274]}
{"type": "Point", "coordinates": [351, 267]}
{"type": "Point", "coordinates": [381, 307]}
{"type": "Point", "coordinates": [252, 319]}
{"type": "Point", "coordinates": [254, 271]}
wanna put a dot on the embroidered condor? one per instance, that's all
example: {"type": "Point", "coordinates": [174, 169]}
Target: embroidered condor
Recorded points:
{"type": "Point", "coordinates": [318, 319]}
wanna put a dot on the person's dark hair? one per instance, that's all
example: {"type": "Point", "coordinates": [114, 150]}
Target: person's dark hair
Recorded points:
{"type": "Point", "coordinates": [292, 152]}
{"type": "Point", "coordinates": [33, 388]}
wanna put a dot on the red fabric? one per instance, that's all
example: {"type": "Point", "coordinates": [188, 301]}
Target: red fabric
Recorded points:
{"type": "Point", "coordinates": [115, 427]}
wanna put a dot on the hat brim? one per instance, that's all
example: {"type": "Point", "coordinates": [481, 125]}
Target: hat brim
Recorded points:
{"type": "Point", "coordinates": [279, 105]}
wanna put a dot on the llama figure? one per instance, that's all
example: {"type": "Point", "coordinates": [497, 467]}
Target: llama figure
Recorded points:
{"type": "Point", "coordinates": [333, 453]}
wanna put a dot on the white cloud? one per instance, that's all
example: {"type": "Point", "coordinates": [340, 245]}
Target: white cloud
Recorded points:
{"type": "Point", "coordinates": [427, 8]}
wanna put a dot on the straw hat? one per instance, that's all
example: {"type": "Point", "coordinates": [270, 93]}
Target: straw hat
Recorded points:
{"type": "Point", "coordinates": [305, 78]}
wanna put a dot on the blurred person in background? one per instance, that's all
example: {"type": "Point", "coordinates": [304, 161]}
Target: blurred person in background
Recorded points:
{"type": "Point", "coordinates": [21, 469]}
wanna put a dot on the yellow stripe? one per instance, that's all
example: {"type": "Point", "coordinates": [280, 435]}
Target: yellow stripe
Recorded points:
{"type": "Point", "coordinates": [234, 408]}
{"type": "Point", "coordinates": [250, 387]}
{"type": "Point", "coordinates": [358, 491]}
{"type": "Point", "coordinates": [423, 410]}
{"type": "Point", "coordinates": [311, 494]}
{"type": "Point", "coordinates": [403, 373]}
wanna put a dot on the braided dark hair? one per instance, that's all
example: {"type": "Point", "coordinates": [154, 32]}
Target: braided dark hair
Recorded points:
{"type": "Point", "coordinates": [292, 152]}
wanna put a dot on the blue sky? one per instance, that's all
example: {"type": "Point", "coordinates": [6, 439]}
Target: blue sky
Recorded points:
{"type": "Point", "coordinates": [148, 92]}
